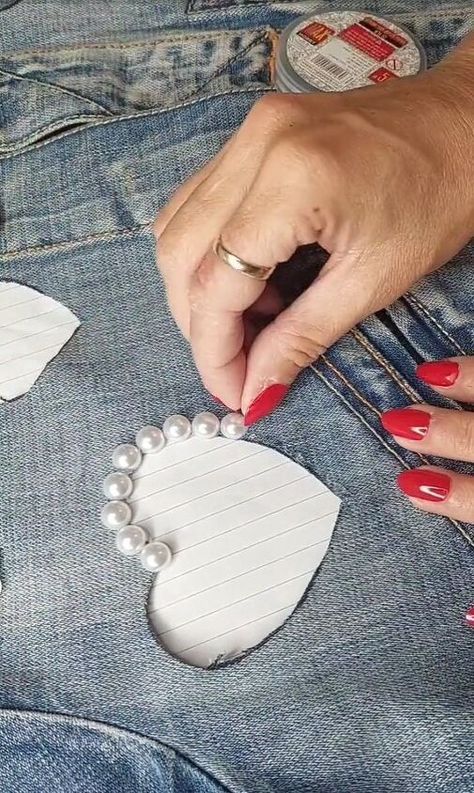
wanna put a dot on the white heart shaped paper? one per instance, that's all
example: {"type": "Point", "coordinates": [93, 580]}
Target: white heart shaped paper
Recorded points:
{"type": "Point", "coordinates": [248, 528]}
{"type": "Point", "coordinates": [33, 329]}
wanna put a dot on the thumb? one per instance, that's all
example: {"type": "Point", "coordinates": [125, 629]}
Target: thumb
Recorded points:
{"type": "Point", "coordinates": [344, 293]}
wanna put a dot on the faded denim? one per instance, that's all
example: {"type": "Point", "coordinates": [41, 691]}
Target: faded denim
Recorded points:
{"type": "Point", "coordinates": [104, 108]}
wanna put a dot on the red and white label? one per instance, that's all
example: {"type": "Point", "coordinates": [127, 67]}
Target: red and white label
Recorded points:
{"type": "Point", "coordinates": [381, 75]}
{"type": "Point", "coordinates": [344, 50]}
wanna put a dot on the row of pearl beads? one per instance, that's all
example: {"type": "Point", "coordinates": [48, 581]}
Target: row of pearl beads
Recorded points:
{"type": "Point", "coordinates": [127, 456]}
{"type": "Point", "coordinates": [132, 540]}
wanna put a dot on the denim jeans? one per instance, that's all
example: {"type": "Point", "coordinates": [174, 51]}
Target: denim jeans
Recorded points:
{"type": "Point", "coordinates": [104, 109]}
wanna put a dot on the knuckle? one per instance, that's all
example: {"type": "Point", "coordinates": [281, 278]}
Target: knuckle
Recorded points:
{"type": "Point", "coordinates": [464, 439]}
{"type": "Point", "coordinates": [274, 108]}
{"type": "Point", "coordinates": [299, 341]}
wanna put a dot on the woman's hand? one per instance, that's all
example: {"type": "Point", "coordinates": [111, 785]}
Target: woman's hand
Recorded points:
{"type": "Point", "coordinates": [441, 433]}
{"type": "Point", "coordinates": [382, 178]}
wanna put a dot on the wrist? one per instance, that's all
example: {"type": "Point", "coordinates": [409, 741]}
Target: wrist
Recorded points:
{"type": "Point", "coordinates": [454, 78]}
{"type": "Point", "coordinates": [452, 90]}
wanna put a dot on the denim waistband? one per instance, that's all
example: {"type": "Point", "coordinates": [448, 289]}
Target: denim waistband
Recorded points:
{"type": "Point", "coordinates": [28, 23]}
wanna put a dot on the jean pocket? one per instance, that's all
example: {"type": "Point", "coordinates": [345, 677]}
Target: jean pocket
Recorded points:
{"type": "Point", "coordinates": [117, 759]}
{"type": "Point", "coordinates": [49, 90]}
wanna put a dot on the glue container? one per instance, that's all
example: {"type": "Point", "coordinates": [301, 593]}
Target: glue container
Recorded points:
{"type": "Point", "coordinates": [341, 50]}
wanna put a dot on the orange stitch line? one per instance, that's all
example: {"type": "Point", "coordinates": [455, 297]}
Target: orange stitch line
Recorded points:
{"type": "Point", "coordinates": [427, 313]}
{"type": "Point", "coordinates": [368, 404]}
{"type": "Point", "coordinates": [350, 386]}
{"type": "Point", "coordinates": [406, 388]}
{"type": "Point", "coordinates": [359, 416]}
{"type": "Point", "coordinates": [455, 523]}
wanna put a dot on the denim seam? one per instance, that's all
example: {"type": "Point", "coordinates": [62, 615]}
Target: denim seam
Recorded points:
{"type": "Point", "coordinates": [106, 236]}
{"type": "Point", "coordinates": [101, 727]}
{"type": "Point", "coordinates": [449, 13]}
{"type": "Point", "coordinates": [364, 401]}
{"type": "Point", "coordinates": [356, 413]}
{"type": "Point", "coordinates": [261, 37]}
{"type": "Point", "coordinates": [427, 313]}
{"type": "Point", "coordinates": [161, 39]}
{"type": "Point", "coordinates": [406, 388]}
{"type": "Point", "coordinates": [403, 462]}
{"type": "Point", "coordinates": [141, 114]}
{"type": "Point", "coordinates": [395, 376]}
{"type": "Point", "coordinates": [56, 87]}
{"type": "Point", "coordinates": [350, 386]}
{"type": "Point", "coordinates": [18, 146]}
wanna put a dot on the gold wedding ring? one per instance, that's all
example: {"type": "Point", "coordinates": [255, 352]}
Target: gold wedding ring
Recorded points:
{"type": "Point", "coordinates": [238, 264]}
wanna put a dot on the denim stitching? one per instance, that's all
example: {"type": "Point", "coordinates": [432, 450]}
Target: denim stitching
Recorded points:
{"type": "Point", "coordinates": [142, 114]}
{"type": "Point", "coordinates": [453, 522]}
{"type": "Point", "coordinates": [350, 386]}
{"type": "Point", "coordinates": [359, 416]}
{"type": "Point", "coordinates": [56, 88]}
{"type": "Point", "coordinates": [258, 40]}
{"type": "Point", "coordinates": [406, 388]}
{"type": "Point", "coordinates": [450, 13]}
{"type": "Point", "coordinates": [106, 236]}
{"type": "Point", "coordinates": [404, 385]}
{"type": "Point", "coordinates": [364, 401]}
{"type": "Point", "coordinates": [161, 39]}
{"type": "Point", "coordinates": [411, 298]}
{"type": "Point", "coordinates": [7, 151]}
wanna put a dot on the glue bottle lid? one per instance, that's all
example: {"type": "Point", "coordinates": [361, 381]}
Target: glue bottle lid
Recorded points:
{"type": "Point", "coordinates": [341, 50]}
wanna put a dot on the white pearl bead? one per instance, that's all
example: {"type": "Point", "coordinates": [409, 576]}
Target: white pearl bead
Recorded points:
{"type": "Point", "coordinates": [117, 486]}
{"type": "Point", "coordinates": [155, 556]}
{"type": "Point", "coordinates": [126, 457]}
{"type": "Point", "coordinates": [177, 428]}
{"type": "Point", "coordinates": [131, 540]}
{"type": "Point", "coordinates": [233, 427]}
{"type": "Point", "coordinates": [150, 439]}
{"type": "Point", "coordinates": [205, 425]}
{"type": "Point", "coordinates": [116, 514]}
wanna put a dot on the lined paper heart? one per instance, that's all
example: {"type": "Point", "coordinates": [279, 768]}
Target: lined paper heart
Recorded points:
{"type": "Point", "coordinates": [33, 329]}
{"type": "Point", "coordinates": [247, 528]}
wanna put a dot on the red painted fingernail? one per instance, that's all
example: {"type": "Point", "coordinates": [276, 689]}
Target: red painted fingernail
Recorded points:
{"type": "Point", "coordinates": [439, 373]}
{"type": "Point", "coordinates": [407, 423]}
{"type": "Point", "coordinates": [427, 485]}
{"type": "Point", "coordinates": [469, 617]}
{"type": "Point", "coordinates": [267, 401]}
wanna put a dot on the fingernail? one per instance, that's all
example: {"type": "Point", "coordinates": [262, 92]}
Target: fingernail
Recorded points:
{"type": "Point", "coordinates": [427, 485]}
{"type": "Point", "coordinates": [407, 423]}
{"type": "Point", "coordinates": [469, 617]}
{"type": "Point", "coordinates": [439, 373]}
{"type": "Point", "coordinates": [267, 401]}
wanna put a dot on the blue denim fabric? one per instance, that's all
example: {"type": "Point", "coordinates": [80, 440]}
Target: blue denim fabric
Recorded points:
{"type": "Point", "coordinates": [368, 686]}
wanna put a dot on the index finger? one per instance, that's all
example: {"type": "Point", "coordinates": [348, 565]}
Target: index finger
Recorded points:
{"type": "Point", "coordinates": [219, 296]}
